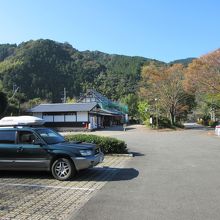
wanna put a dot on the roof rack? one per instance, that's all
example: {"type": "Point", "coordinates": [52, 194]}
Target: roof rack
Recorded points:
{"type": "Point", "coordinates": [21, 121]}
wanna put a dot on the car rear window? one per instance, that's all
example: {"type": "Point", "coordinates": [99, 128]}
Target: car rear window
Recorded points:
{"type": "Point", "coordinates": [7, 137]}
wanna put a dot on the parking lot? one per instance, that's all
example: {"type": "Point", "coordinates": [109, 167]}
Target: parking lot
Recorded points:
{"type": "Point", "coordinates": [37, 195]}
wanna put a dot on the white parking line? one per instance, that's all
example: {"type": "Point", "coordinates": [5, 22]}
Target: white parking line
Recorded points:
{"type": "Point", "coordinates": [46, 186]}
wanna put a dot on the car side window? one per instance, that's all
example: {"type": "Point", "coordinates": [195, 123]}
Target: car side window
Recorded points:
{"type": "Point", "coordinates": [26, 137]}
{"type": "Point", "coordinates": [7, 137]}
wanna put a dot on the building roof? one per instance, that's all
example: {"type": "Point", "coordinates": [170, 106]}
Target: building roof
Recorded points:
{"type": "Point", "coordinates": [64, 107]}
{"type": "Point", "coordinates": [108, 112]}
{"type": "Point", "coordinates": [93, 93]}
{"type": "Point", "coordinates": [104, 102]}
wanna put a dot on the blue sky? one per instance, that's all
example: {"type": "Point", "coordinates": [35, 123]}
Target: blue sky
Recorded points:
{"type": "Point", "coordinates": [164, 30]}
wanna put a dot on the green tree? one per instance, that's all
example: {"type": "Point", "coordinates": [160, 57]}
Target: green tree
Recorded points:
{"type": "Point", "coordinates": [45, 67]}
{"type": "Point", "coordinates": [143, 111]}
{"type": "Point", "coordinates": [28, 104]}
{"type": "Point", "coordinates": [3, 103]}
{"type": "Point", "coordinates": [71, 100]}
{"type": "Point", "coordinates": [131, 100]}
{"type": "Point", "coordinates": [208, 107]}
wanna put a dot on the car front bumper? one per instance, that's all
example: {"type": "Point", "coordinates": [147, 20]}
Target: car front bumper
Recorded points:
{"type": "Point", "coordinates": [87, 162]}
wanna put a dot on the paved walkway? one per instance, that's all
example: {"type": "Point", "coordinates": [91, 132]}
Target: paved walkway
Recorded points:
{"type": "Point", "coordinates": [178, 179]}
{"type": "Point", "coordinates": [38, 196]}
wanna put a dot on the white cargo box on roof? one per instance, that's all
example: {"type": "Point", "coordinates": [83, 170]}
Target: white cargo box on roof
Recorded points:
{"type": "Point", "coordinates": [21, 120]}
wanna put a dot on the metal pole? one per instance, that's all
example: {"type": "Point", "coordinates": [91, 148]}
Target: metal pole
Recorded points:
{"type": "Point", "coordinates": [157, 118]}
{"type": "Point", "coordinates": [64, 95]}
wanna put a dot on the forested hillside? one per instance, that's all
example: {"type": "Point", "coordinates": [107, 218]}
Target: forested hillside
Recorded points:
{"type": "Point", "coordinates": [42, 68]}
{"type": "Point", "coordinates": [6, 50]}
{"type": "Point", "coordinates": [184, 62]}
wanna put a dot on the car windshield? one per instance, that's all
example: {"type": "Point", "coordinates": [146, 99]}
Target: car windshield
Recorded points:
{"type": "Point", "coordinates": [50, 136]}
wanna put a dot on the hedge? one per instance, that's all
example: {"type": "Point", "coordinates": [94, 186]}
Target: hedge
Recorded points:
{"type": "Point", "coordinates": [107, 144]}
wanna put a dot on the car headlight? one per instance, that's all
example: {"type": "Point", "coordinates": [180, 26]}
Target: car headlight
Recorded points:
{"type": "Point", "coordinates": [85, 152]}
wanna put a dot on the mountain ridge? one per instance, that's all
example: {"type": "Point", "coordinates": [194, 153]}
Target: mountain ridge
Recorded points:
{"type": "Point", "coordinates": [42, 68]}
{"type": "Point", "coordinates": [14, 45]}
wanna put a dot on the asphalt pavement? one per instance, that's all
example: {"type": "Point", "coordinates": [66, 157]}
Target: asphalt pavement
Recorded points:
{"type": "Point", "coordinates": [176, 177]}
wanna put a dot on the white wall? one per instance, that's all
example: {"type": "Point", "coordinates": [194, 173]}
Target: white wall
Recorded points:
{"type": "Point", "coordinates": [48, 118]}
{"type": "Point", "coordinates": [70, 118]}
{"type": "Point", "coordinates": [58, 118]}
{"type": "Point", "coordinates": [82, 116]}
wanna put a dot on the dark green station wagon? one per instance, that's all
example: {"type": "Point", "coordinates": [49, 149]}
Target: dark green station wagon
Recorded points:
{"type": "Point", "coordinates": [25, 146]}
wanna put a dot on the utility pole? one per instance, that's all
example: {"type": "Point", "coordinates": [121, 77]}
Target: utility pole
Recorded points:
{"type": "Point", "coordinates": [157, 113]}
{"type": "Point", "coordinates": [15, 90]}
{"type": "Point", "coordinates": [64, 95]}
{"type": "Point", "coordinates": [212, 112]}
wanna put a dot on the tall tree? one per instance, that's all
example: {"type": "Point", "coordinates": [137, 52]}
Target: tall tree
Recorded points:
{"type": "Point", "coordinates": [131, 100]}
{"type": "Point", "coordinates": [163, 86]}
{"type": "Point", "coordinates": [203, 79]}
{"type": "Point", "coordinates": [3, 102]}
{"type": "Point", "coordinates": [203, 74]}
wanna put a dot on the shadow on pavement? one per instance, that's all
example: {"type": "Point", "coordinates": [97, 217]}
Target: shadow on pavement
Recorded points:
{"type": "Point", "coordinates": [93, 174]}
{"type": "Point", "coordinates": [202, 128]}
{"type": "Point", "coordinates": [107, 174]}
{"type": "Point", "coordinates": [130, 128]}
{"type": "Point", "coordinates": [126, 174]}
{"type": "Point", "coordinates": [113, 128]}
{"type": "Point", "coordinates": [137, 154]}
{"type": "Point", "coordinates": [196, 126]}
{"type": "Point", "coordinates": [116, 128]}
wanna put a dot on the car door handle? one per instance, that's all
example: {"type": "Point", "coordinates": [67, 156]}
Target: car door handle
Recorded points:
{"type": "Point", "coordinates": [20, 149]}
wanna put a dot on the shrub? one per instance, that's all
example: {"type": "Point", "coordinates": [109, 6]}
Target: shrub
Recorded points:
{"type": "Point", "coordinates": [200, 121]}
{"type": "Point", "coordinates": [107, 144]}
{"type": "Point", "coordinates": [213, 123]}
{"type": "Point", "coordinates": [206, 119]}
{"type": "Point", "coordinates": [164, 122]}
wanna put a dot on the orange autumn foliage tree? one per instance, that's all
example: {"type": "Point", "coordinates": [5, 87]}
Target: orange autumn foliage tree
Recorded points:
{"type": "Point", "coordinates": [165, 85]}
{"type": "Point", "coordinates": [203, 74]}
{"type": "Point", "coordinates": [203, 79]}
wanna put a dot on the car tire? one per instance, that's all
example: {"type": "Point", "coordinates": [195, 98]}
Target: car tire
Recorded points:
{"type": "Point", "coordinates": [63, 169]}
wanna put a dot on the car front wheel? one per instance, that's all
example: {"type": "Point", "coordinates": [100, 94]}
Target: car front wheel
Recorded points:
{"type": "Point", "coordinates": [63, 169]}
